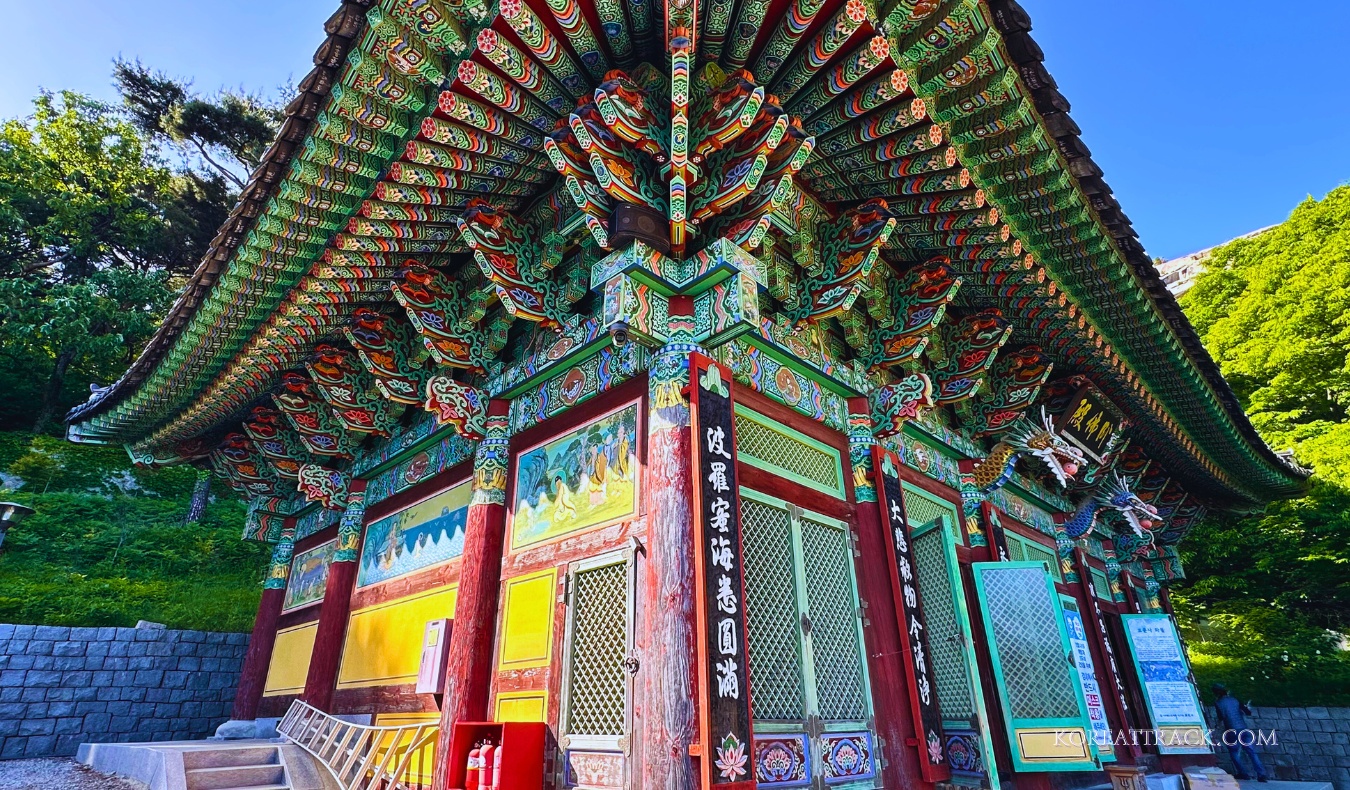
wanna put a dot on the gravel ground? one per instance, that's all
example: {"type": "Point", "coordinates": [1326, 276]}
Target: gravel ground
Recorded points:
{"type": "Point", "coordinates": [58, 774]}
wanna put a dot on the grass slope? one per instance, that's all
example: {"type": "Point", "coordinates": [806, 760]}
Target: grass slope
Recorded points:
{"type": "Point", "coordinates": [107, 546]}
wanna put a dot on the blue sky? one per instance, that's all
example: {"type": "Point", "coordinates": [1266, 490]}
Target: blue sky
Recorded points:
{"type": "Point", "coordinates": [1209, 118]}
{"type": "Point", "coordinates": [253, 44]}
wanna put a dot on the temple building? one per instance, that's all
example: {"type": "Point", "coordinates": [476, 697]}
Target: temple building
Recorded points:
{"type": "Point", "coordinates": [714, 394]}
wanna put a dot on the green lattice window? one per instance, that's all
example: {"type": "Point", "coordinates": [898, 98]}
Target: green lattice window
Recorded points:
{"type": "Point", "coordinates": [595, 696]}
{"type": "Point", "coordinates": [1022, 549]}
{"type": "Point", "coordinates": [923, 509]}
{"type": "Point", "coordinates": [1042, 699]}
{"type": "Point", "coordinates": [946, 629]}
{"type": "Point", "coordinates": [1101, 585]}
{"type": "Point", "coordinates": [1022, 620]}
{"type": "Point", "coordinates": [835, 646]}
{"type": "Point", "coordinates": [773, 447]}
{"type": "Point", "coordinates": [951, 649]}
{"type": "Point", "coordinates": [771, 590]}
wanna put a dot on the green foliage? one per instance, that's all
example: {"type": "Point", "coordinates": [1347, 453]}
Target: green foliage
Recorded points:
{"type": "Point", "coordinates": [52, 464]}
{"type": "Point", "coordinates": [85, 252]}
{"type": "Point", "coordinates": [1274, 310]}
{"type": "Point", "coordinates": [77, 188]}
{"type": "Point", "coordinates": [1269, 601]}
{"type": "Point", "coordinates": [97, 231]}
{"type": "Point", "coordinates": [93, 554]}
{"type": "Point", "coordinates": [56, 336]}
{"type": "Point", "coordinates": [1322, 684]}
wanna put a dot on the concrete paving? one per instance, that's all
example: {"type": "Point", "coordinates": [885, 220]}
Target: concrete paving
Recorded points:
{"type": "Point", "coordinates": [1252, 784]}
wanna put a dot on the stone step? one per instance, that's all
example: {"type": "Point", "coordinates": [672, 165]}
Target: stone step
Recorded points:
{"type": "Point", "coordinates": [232, 777]}
{"type": "Point", "coordinates": [220, 758]}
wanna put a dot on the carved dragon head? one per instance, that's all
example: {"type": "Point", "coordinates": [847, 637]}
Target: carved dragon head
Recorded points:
{"type": "Point", "coordinates": [1116, 495]}
{"type": "Point", "coordinates": [1040, 441]}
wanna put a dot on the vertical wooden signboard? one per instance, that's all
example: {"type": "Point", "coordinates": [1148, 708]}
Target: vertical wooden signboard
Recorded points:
{"type": "Point", "coordinates": [923, 702]}
{"type": "Point", "coordinates": [724, 665]}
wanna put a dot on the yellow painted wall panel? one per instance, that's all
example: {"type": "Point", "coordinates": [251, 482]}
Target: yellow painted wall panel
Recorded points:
{"type": "Point", "coordinates": [384, 642]}
{"type": "Point", "coordinates": [522, 706]}
{"type": "Point", "coordinates": [527, 632]}
{"type": "Point", "coordinates": [290, 660]}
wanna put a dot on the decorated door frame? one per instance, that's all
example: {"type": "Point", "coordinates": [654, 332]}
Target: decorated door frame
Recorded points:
{"type": "Point", "coordinates": [596, 749]}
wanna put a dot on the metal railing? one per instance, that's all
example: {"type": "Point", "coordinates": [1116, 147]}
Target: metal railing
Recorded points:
{"type": "Point", "coordinates": [362, 757]}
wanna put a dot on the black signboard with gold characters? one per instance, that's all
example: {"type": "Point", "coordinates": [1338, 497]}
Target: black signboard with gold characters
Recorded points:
{"type": "Point", "coordinates": [922, 684]}
{"type": "Point", "coordinates": [724, 671]}
{"type": "Point", "coordinates": [1090, 423]}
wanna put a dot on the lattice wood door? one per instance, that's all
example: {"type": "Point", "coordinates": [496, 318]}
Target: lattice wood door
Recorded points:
{"type": "Point", "coordinates": [810, 691]}
{"type": "Point", "coordinates": [595, 712]}
{"type": "Point", "coordinates": [1042, 698]}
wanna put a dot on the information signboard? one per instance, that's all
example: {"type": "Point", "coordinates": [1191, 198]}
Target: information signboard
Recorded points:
{"type": "Point", "coordinates": [1165, 676]}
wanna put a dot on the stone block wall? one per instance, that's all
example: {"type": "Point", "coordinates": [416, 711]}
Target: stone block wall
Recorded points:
{"type": "Point", "coordinates": [60, 687]}
{"type": "Point", "coordinates": [1311, 744]}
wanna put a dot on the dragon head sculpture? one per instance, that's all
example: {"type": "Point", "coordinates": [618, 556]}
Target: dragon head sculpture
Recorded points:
{"type": "Point", "coordinates": [1040, 441]}
{"type": "Point", "coordinates": [1116, 495]}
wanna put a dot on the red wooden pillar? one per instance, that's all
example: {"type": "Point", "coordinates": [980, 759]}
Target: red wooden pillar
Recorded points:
{"type": "Point", "coordinates": [331, 631]}
{"type": "Point", "coordinates": [253, 676]}
{"type": "Point", "coordinates": [469, 663]}
{"type": "Point", "coordinates": [669, 655]}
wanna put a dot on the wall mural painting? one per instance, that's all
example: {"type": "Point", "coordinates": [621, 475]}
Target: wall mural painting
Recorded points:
{"type": "Point", "coordinates": [309, 576]}
{"type": "Point", "coordinates": [428, 533]}
{"type": "Point", "coordinates": [585, 478]}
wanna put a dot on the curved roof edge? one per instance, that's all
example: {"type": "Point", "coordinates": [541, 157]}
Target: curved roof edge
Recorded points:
{"type": "Point", "coordinates": [344, 28]}
{"type": "Point", "coordinates": [1014, 25]}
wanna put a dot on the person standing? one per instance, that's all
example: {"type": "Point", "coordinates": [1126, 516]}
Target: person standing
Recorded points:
{"type": "Point", "coordinates": [1235, 734]}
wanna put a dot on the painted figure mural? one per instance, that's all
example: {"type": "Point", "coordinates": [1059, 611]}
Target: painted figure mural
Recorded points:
{"type": "Point", "coordinates": [583, 479]}
{"type": "Point", "coordinates": [309, 576]}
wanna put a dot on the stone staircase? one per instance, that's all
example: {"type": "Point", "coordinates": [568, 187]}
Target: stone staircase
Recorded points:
{"type": "Point", "coordinates": [249, 768]}
{"type": "Point", "coordinates": [211, 765]}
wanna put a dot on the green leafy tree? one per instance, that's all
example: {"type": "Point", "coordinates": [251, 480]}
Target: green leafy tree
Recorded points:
{"type": "Point", "coordinates": [85, 251]}
{"type": "Point", "coordinates": [77, 191]}
{"type": "Point", "coordinates": [1269, 599]}
{"type": "Point", "coordinates": [97, 230]}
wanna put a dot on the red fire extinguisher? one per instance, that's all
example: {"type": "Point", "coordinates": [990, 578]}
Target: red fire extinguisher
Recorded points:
{"type": "Point", "coordinates": [487, 779]}
{"type": "Point", "coordinates": [497, 769]}
{"type": "Point", "coordinates": [473, 768]}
